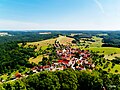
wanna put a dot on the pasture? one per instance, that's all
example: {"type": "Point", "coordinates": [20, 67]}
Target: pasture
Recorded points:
{"type": "Point", "coordinates": [41, 44]}
{"type": "Point", "coordinates": [91, 42]}
{"type": "Point", "coordinates": [65, 40]}
{"type": "Point", "coordinates": [44, 44]}
{"type": "Point", "coordinates": [109, 52]}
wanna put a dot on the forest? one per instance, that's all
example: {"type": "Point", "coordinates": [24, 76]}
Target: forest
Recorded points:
{"type": "Point", "coordinates": [13, 57]}
{"type": "Point", "coordinates": [22, 36]}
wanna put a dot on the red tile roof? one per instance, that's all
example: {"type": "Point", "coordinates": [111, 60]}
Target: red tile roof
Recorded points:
{"type": "Point", "coordinates": [63, 61]}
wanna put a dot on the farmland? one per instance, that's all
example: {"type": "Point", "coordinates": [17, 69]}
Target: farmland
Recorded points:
{"type": "Point", "coordinates": [92, 42]}
{"type": "Point", "coordinates": [43, 44]}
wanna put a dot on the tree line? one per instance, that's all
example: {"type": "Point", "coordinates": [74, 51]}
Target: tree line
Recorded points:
{"type": "Point", "coordinates": [21, 36]}
{"type": "Point", "coordinates": [65, 80]}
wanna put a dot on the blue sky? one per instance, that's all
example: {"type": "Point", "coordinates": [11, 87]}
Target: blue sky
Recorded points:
{"type": "Point", "coordinates": [60, 14]}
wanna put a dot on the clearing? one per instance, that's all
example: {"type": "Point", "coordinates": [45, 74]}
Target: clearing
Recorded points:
{"type": "Point", "coordinates": [36, 60]}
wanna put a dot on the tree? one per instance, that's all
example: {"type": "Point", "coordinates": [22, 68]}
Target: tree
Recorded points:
{"type": "Point", "coordinates": [68, 80]}
{"type": "Point", "coordinates": [48, 81]}
{"type": "Point", "coordinates": [88, 81]}
{"type": "Point", "coordinates": [19, 85]}
{"type": "Point", "coordinates": [44, 61]}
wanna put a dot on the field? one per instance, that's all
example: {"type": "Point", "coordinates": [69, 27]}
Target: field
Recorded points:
{"type": "Point", "coordinates": [93, 42]}
{"type": "Point", "coordinates": [64, 40]}
{"type": "Point", "coordinates": [110, 69]}
{"type": "Point", "coordinates": [43, 44]}
{"type": "Point", "coordinates": [36, 60]}
{"type": "Point", "coordinates": [109, 52]}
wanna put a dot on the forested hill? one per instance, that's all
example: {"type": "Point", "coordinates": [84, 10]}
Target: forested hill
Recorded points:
{"type": "Point", "coordinates": [22, 36]}
{"type": "Point", "coordinates": [112, 39]}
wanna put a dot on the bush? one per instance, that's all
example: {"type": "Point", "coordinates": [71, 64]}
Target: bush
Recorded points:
{"type": "Point", "coordinates": [116, 71]}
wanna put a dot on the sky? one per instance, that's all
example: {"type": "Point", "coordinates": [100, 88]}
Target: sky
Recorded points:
{"type": "Point", "coordinates": [59, 15]}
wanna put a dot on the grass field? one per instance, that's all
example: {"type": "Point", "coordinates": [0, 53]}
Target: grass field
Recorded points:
{"type": "Point", "coordinates": [43, 44]}
{"type": "Point", "coordinates": [64, 40]}
{"type": "Point", "coordinates": [112, 57]}
{"type": "Point", "coordinates": [107, 51]}
{"type": "Point", "coordinates": [36, 60]}
{"type": "Point", "coordinates": [102, 34]}
{"type": "Point", "coordinates": [97, 43]}
{"type": "Point", "coordinates": [112, 70]}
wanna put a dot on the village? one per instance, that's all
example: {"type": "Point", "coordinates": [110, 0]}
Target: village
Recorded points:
{"type": "Point", "coordinates": [73, 58]}
{"type": "Point", "coordinates": [69, 58]}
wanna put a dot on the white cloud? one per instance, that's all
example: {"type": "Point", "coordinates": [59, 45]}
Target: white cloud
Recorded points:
{"type": "Point", "coordinates": [16, 25]}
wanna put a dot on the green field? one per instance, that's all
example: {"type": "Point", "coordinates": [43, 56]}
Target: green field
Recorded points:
{"type": "Point", "coordinates": [86, 41]}
{"type": "Point", "coordinates": [110, 69]}
{"type": "Point", "coordinates": [109, 52]}
{"type": "Point", "coordinates": [44, 44]}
